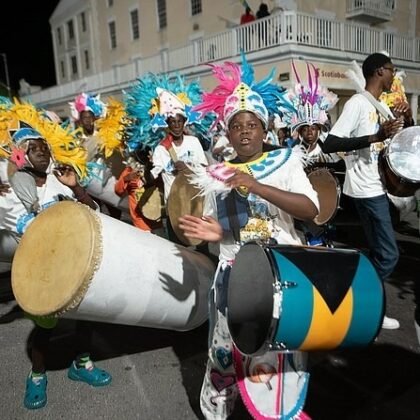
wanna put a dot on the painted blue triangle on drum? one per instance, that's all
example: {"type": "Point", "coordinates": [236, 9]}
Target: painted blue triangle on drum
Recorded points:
{"type": "Point", "coordinates": [296, 304]}
{"type": "Point", "coordinates": [368, 306]}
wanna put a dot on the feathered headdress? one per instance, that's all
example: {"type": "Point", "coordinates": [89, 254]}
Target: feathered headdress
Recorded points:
{"type": "Point", "coordinates": [154, 98]}
{"type": "Point", "coordinates": [87, 102]}
{"type": "Point", "coordinates": [238, 91]}
{"type": "Point", "coordinates": [312, 101]}
{"type": "Point", "coordinates": [112, 128]}
{"type": "Point", "coordinates": [21, 121]}
{"type": "Point", "coordinates": [397, 93]}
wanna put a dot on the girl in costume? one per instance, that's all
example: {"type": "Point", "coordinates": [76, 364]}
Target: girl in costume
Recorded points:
{"type": "Point", "coordinates": [45, 166]}
{"type": "Point", "coordinates": [267, 190]}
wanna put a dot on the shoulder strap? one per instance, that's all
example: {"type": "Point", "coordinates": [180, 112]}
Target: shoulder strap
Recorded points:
{"type": "Point", "coordinates": [173, 154]}
{"type": "Point", "coordinates": [385, 112]}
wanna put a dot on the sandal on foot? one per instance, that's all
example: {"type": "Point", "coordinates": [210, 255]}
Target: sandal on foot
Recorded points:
{"type": "Point", "coordinates": [36, 392]}
{"type": "Point", "coordinates": [90, 374]}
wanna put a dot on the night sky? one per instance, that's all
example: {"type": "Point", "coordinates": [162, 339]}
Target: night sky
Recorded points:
{"type": "Point", "coordinates": [30, 58]}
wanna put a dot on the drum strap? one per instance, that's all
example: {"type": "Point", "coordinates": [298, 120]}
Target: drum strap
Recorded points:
{"type": "Point", "coordinates": [173, 154]}
{"type": "Point", "coordinates": [232, 213]}
{"type": "Point", "coordinates": [386, 113]}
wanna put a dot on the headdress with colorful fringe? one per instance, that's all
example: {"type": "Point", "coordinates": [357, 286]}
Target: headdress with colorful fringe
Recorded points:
{"type": "Point", "coordinates": [154, 98]}
{"type": "Point", "coordinates": [87, 102]}
{"type": "Point", "coordinates": [20, 121]}
{"type": "Point", "coordinates": [238, 91]}
{"type": "Point", "coordinates": [312, 101]}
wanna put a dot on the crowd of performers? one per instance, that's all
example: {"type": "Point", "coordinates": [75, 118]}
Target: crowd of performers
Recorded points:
{"type": "Point", "coordinates": [246, 147]}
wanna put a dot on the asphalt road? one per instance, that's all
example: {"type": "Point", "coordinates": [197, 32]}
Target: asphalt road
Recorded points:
{"type": "Point", "coordinates": [157, 373]}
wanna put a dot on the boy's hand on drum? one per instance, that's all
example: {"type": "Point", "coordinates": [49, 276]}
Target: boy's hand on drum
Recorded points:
{"type": "Point", "coordinates": [205, 228]}
{"type": "Point", "coordinates": [403, 110]}
{"type": "Point", "coordinates": [133, 175]}
{"type": "Point", "coordinates": [389, 129]}
{"type": "Point", "coordinates": [66, 175]}
{"type": "Point", "coordinates": [180, 165]}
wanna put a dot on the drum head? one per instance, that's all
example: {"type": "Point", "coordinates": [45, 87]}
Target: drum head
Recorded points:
{"type": "Point", "coordinates": [250, 303]}
{"type": "Point", "coordinates": [182, 200]}
{"type": "Point", "coordinates": [403, 154]}
{"type": "Point", "coordinates": [65, 239]}
{"type": "Point", "coordinates": [328, 189]}
{"type": "Point", "coordinates": [151, 203]}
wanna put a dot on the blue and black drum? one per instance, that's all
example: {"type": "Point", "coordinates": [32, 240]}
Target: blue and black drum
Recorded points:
{"type": "Point", "coordinates": [302, 298]}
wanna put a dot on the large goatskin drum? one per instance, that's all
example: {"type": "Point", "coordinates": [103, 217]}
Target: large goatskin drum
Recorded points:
{"type": "Point", "coordinates": [327, 186]}
{"type": "Point", "coordinates": [184, 199]}
{"type": "Point", "coordinates": [81, 264]}
{"type": "Point", "coordinates": [400, 163]}
{"type": "Point", "coordinates": [302, 298]}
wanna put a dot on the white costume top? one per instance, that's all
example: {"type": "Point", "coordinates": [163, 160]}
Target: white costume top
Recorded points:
{"type": "Point", "coordinates": [283, 169]}
{"type": "Point", "coordinates": [189, 151]}
{"type": "Point", "coordinates": [13, 215]}
{"type": "Point", "coordinates": [317, 155]}
{"type": "Point", "coordinates": [360, 118]}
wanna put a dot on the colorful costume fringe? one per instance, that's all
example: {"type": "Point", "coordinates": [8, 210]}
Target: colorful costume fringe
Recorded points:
{"type": "Point", "coordinates": [312, 101]}
{"type": "Point", "coordinates": [155, 97]}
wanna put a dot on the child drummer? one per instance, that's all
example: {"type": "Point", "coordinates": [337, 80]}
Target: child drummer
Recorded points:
{"type": "Point", "coordinates": [267, 190]}
{"type": "Point", "coordinates": [33, 187]}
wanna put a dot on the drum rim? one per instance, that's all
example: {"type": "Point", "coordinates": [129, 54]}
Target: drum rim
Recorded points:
{"type": "Point", "coordinates": [338, 190]}
{"type": "Point", "coordinates": [272, 325]}
{"type": "Point", "coordinates": [395, 172]}
{"type": "Point", "coordinates": [79, 291]}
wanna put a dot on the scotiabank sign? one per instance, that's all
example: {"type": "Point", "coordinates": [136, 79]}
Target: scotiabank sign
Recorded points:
{"type": "Point", "coordinates": [333, 74]}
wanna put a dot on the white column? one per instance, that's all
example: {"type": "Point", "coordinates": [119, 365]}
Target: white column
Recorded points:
{"type": "Point", "coordinates": [414, 103]}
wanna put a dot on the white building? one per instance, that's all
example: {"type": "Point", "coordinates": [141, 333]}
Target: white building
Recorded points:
{"type": "Point", "coordinates": [101, 46]}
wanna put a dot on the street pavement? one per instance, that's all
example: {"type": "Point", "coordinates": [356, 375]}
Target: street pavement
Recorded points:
{"type": "Point", "coordinates": [157, 374]}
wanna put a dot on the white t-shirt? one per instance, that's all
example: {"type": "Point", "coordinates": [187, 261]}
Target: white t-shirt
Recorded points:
{"type": "Point", "coordinates": [360, 118]}
{"type": "Point", "coordinates": [13, 215]}
{"type": "Point", "coordinates": [317, 155]}
{"type": "Point", "coordinates": [228, 152]}
{"type": "Point", "coordinates": [189, 151]}
{"type": "Point", "coordinates": [282, 169]}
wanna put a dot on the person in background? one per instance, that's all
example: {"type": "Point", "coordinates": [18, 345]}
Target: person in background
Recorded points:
{"type": "Point", "coordinates": [163, 108]}
{"type": "Point", "coordinates": [360, 132]}
{"type": "Point", "coordinates": [135, 182]}
{"type": "Point", "coordinates": [247, 17]}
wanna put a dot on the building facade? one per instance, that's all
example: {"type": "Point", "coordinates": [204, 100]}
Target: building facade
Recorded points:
{"type": "Point", "coordinates": [101, 46]}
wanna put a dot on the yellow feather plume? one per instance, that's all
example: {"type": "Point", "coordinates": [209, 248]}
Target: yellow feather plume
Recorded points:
{"type": "Point", "coordinates": [62, 141]}
{"type": "Point", "coordinates": [111, 128]}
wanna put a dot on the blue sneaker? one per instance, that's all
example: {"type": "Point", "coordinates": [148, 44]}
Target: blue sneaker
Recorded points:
{"type": "Point", "coordinates": [36, 392]}
{"type": "Point", "coordinates": [89, 374]}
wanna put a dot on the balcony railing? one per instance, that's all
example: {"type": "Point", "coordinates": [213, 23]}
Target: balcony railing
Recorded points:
{"type": "Point", "coordinates": [288, 29]}
{"type": "Point", "coordinates": [372, 11]}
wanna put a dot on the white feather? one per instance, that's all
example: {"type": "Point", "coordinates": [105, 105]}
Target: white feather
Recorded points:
{"type": "Point", "coordinates": [355, 74]}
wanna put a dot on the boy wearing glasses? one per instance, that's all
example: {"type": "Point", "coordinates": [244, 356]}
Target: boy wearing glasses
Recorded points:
{"type": "Point", "coordinates": [360, 132]}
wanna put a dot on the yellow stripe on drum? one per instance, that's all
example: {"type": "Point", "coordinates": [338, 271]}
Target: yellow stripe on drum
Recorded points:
{"type": "Point", "coordinates": [328, 330]}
